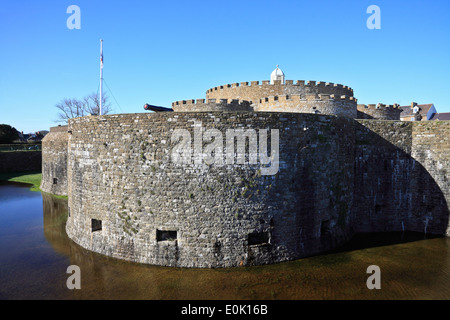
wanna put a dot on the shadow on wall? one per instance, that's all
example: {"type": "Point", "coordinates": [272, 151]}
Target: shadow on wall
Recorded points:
{"type": "Point", "coordinates": [362, 115]}
{"type": "Point", "coordinates": [395, 192]}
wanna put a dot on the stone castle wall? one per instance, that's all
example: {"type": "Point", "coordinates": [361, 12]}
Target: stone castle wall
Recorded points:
{"type": "Point", "coordinates": [299, 97]}
{"type": "Point", "coordinates": [200, 105]}
{"type": "Point", "coordinates": [256, 90]}
{"type": "Point", "coordinates": [336, 176]}
{"type": "Point", "coordinates": [323, 103]}
{"type": "Point", "coordinates": [401, 172]}
{"type": "Point", "coordinates": [431, 186]}
{"type": "Point", "coordinates": [378, 111]}
{"type": "Point", "coordinates": [54, 161]}
{"type": "Point", "coordinates": [129, 200]}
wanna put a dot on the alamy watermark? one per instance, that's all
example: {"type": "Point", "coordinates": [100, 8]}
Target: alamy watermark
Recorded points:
{"type": "Point", "coordinates": [374, 21]}
{"type": "Point", "coordinates": [74, 20]}
{"type": "Point", "coordinates": [74, 281]}
{"type": "Point", "coordinates": [207, 147]}
{"type": "Point", "coordinates": [374, 281]}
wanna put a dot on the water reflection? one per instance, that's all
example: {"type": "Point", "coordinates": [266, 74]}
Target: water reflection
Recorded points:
{"type": "Point", "coordinates": [35, 253]}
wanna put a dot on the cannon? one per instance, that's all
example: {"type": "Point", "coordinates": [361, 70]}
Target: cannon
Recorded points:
{"type": "Point", "coordinates": [150, 107]}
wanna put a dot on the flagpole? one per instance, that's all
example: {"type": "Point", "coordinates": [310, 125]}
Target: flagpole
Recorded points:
{"type": "Point", "coordinates": [101, 75]}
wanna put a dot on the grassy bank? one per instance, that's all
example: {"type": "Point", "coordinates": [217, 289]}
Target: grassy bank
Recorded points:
{"type": "Point", "coordinates": [30, 177]}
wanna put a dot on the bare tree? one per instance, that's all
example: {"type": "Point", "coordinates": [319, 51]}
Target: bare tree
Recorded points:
{"type": "Point", "coordinates": [89, 105]}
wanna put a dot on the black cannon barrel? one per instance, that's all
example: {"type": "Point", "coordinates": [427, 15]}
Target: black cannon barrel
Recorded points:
{"type": "Point", "coordinates": [156, 108]}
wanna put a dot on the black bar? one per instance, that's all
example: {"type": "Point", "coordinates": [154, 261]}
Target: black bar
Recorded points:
{"type": "Point", "coordinates": [157, 108]}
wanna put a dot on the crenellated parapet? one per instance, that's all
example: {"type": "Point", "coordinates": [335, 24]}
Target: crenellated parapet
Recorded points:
{"type": "Point", "coordinates": [340, 105]}
{"type": "Point", "coordinates": [379, 111]}
{"type": "Point", "coordinates": [308, 97]}
{"type": "Point", "coordinates": [255, 90]}
{"type": "Point", "coordinates": [201, 105]}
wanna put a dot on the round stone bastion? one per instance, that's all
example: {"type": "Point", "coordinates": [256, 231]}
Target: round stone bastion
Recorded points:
{"type": "Point", "coordinates": [210, 189]}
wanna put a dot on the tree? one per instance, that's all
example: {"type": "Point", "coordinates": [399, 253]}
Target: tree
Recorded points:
{"type": "Point", "coordinates": [89, 105]}
{"type": "Point", "coordinates": [8, 134]}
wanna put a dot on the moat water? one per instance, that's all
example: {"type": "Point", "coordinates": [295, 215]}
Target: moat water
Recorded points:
{"type": "Point", "coordinates": [35, 253]}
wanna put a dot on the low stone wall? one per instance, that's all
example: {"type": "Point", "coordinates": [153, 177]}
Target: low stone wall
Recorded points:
{"type": "Point", "coordinates": [17, 161]}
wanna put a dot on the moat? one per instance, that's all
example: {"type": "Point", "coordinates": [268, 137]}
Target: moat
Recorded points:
{"type": "Point", "coordinates": [35, 253]}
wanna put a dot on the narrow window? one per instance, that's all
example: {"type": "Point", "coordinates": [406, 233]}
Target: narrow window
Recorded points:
{"type": "Point", "coordinates": [166, 235]}
{"type": "Point", "coordinates": [325, 228]}
{"type": "Point", "coordinates": [378, 208]}
{"type": "Point", "coordinates": [96, 225]}
{"type": "Point", "coordinates": [258, 238]}
{"type": "Point", "coordinates": [55, 180]}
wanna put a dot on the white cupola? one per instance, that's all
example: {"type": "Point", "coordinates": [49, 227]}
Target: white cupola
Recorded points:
{"type": "Point", "coordinates": [277, 74]}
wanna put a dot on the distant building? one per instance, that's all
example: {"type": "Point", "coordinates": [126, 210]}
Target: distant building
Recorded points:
{"type": "Point", "coordinates": [417, 112]}
{"type": "Point", "coordinates": [441, 116]}
{"type": "Point", "coordinates": [32, 137]}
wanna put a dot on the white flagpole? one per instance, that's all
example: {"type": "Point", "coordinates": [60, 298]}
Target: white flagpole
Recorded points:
{"type": "Point", "coordinates": [101, 75]}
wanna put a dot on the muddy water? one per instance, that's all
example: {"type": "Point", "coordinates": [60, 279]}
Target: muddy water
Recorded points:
{"type": "Point", "coordinates": [35, 253]}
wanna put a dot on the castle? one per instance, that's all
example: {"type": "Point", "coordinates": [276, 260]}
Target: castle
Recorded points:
{"type": "Point", "coordinates": [280, 95]}
{"type": "Point", "coordinates": [341, 169]}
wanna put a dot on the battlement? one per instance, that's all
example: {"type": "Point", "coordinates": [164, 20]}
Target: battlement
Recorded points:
{"type": "Point", "coordinates": [59, 128]}
{"type": "Point", "coordinates": [308, 97]}
{"type": "Point", "coordinates": [331, 104]}
{"type": "Point", "coordinates": [379, 106]}
{"type": "Point", "coordinates": [310, 83]}
{"type": "Point", "coordinates": [210, 101]}
{"type": "Point", "coordinates": [199, 105]}
{"type": "Point", "coordinates": [255, 90]}
{"type": "Point", "coordinates": [379, 111]}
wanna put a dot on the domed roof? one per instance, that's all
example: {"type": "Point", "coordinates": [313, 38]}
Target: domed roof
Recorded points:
{"type": "Point", "coordinates": [277, 74]}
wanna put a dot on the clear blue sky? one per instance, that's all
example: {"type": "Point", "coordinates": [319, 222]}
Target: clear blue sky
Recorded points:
{"type": "Point", "coordinates": [161, 51]}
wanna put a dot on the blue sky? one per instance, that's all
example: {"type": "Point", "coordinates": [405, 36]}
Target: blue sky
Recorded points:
{"type": "Point", "coordinates": [161, 51]}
